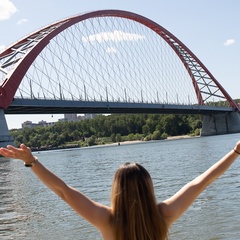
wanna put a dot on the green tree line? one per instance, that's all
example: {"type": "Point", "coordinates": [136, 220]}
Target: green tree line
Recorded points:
{"type": "Point", "coordinates": [112, 128]}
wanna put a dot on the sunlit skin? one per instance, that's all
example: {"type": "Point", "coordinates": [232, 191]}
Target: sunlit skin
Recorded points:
{"type": "Point", "coordinates": [99, 215]}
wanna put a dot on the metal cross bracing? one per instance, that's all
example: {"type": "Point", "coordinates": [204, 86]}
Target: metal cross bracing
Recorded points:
{"type": "Point", "coordinates": [206, 86]}
{"type": "Point", "coordinates": [106, 56]}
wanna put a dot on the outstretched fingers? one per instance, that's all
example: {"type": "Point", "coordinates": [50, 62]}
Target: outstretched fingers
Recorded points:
{"type": "Point", "coordinates": [22, 153]}
{"type": "Point", "coordinates": [7, 152]}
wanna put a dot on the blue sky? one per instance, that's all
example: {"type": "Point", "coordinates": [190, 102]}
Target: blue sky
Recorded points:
{"type": "Point", "coordinates": [210, 29]}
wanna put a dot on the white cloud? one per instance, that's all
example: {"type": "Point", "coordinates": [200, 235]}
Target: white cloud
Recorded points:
{"type": "Point", "coordinates": [111, 50]}
{"type": "Point", "coordinates": [229, 42]}
{"type": "Point", "coordinates": [7, 9]}
{"type": "Point", "coordinates": [116, 36]}
{"type": "Point", "coordinates": [21, 21]}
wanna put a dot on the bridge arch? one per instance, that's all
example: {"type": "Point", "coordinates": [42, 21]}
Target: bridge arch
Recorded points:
{"type": "Point", "coordinates": [204, 83]}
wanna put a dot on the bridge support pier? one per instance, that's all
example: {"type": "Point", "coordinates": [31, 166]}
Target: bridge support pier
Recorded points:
{"type": "Point", "coordinates": [5, 138]}
{"type": "Point", "coordinates": [221, 123]}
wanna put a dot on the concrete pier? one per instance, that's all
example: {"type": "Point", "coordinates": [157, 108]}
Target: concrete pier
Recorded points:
{"type": "Point", "coordinates": [221, 123]}
{"type": "Point", "coordinates": [5, 138]}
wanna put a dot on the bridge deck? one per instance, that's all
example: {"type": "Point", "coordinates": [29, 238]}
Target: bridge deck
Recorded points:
{"type": "Point", "coordinates": [38, 106]}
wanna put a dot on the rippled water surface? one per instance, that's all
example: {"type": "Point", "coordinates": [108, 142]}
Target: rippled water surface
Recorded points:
{"type": "Point", "coordinates": [28, 210]}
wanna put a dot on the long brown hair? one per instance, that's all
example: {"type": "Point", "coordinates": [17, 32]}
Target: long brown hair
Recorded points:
{"type": "Point", "coordinates": [135, 215]}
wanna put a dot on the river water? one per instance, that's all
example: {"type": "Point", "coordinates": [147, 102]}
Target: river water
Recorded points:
{"type": "Point", "coordinates": [28, 210]}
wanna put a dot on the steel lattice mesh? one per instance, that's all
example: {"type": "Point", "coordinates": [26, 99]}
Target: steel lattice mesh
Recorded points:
{"type": "Point", "coordinates": [108, 59]}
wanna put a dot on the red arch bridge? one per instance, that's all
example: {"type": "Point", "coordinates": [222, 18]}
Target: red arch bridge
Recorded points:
{"type": "Point", "coordinates": [110, 61]}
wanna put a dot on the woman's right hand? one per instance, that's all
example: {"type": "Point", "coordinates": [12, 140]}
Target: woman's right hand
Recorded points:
{"type": "Point", "coordinates": [23, 153]}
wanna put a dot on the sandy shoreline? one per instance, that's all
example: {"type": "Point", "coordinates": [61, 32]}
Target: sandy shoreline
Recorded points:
{"type": "Point", "coordinates": [180, 137]}
{"type": "Point", "coordinates": [139, 141]}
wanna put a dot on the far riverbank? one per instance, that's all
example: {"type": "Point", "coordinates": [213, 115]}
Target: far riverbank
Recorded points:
{"type": "Point", "coordinates": [69, 146]}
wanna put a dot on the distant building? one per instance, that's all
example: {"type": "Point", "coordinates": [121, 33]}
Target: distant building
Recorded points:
{"type": "Point", "coordinates": [30, 124]}
{"type": "Point", "coordinates": [71, 117]}
{"type": "Point", "coordinates": [67, 118]}
{"type": "Point", "coordinates": [90, 116]}
{"type": "Point", "coordinates": [75, 117]}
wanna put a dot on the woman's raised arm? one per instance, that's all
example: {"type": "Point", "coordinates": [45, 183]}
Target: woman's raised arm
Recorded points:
{"type": "Point", "coordinates": [176, 205]}
{"type": "Point", "coordinates": [95, 213]}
